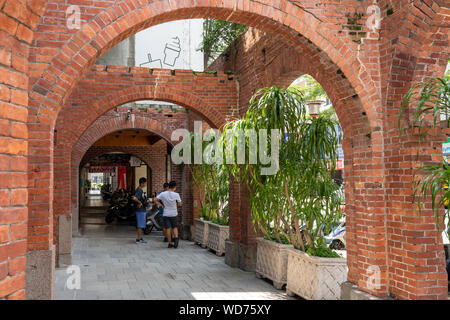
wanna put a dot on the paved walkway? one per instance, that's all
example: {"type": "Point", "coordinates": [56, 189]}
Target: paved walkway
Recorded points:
{"type": "Point", "coordinates": [113, 266]}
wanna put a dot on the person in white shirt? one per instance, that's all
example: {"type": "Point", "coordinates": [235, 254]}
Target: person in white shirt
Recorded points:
{"type": "Point", "coordinates": [170, 200]}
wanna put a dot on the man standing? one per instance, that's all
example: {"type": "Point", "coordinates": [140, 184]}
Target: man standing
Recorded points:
{"type": "Point", "coordinates": [171, 200]}
{"type": "Point", "coordinates": [161, 209]}
{"type": "Point", "coordinates": [142, 202]}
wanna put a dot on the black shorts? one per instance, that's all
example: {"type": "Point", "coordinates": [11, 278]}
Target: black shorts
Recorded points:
{"type": "Point", "coordinates": [170, 222]}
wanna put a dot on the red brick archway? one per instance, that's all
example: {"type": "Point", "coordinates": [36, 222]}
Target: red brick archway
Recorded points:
{"type": "Point", "coordinates": [337, 52]}
{"type": "Point", "coordinates": [379, 69]}
{"type": "Point", "coordinates": [295, 26]}
{"type": "Point", "coordinates": [72, 146]}
{"type": "Point", "coordinates": [109, 27]}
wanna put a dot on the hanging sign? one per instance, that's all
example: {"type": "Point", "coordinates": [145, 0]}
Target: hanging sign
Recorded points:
{"type": "Point", "coordinates": [135, 162]}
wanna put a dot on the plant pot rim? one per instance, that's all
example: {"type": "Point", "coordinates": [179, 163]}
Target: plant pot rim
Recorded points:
{"type": "Point", "coordinates": [219, 225]}
{"type": "Point", "coordinates": [261, 239]}
{"type": "Point", "coordinates": [319, 260]}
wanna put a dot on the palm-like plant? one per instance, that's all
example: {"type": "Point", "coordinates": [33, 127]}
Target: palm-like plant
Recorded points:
{"type": "Point", "coordinates": [211, 181]}
{"type": "Point", "coordinates": [294, 204]}
{"type": "Point", "coordinates": [430, 181]}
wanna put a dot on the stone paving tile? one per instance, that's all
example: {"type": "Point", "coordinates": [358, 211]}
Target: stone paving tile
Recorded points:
{"type": "Point", "coordinates": [113, 266]}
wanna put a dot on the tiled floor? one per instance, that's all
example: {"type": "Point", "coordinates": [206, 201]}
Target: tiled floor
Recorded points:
{"type": "Point", "coordinates": [113, 266]}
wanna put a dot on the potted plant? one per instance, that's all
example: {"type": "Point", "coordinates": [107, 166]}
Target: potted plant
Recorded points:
{"type": "Point", "coordinates": [218, 203]}
{"type": "Point", "coordinates": [295, 203]}
{"type": "Point", "coordinates": [211, 181]}
{"type": "Point", "coordinates": [201, 227]}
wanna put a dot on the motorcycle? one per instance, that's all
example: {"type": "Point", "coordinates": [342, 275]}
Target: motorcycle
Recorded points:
{"type": "Point", "coordinates": [122, 208]}
{"type": "Point", "coordinates": [106, 192]}
{"type": "Point", "coordinates": [154, 219]}
{"type": "Point", "coordinates": [336, 239]}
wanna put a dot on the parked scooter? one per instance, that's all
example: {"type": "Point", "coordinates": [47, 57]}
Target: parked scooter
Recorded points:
{"type": "Point", "coordinates": [106, 192]}
{"type": "Point", "coordinates": [154, 219]}
{"type": "Point", "coordinates": [122, 208]}
{"type": "Point", "coordinates": [336, 238]}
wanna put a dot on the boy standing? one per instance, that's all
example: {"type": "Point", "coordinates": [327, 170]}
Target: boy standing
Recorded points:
{"type": "Point", "coordinates": [142, 202]}
{"type": "Point", "coordinates": [161, 209]}
{"type": "Point", "coordinates": [170, 200]}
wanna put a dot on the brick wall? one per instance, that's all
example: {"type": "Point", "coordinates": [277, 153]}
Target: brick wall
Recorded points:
{"type": "Point", "coordinates": [17, 22]}
{"type": "Point", "coordinates": [376, 68]}
{"type": "Point", "coordinates": [382, 229]}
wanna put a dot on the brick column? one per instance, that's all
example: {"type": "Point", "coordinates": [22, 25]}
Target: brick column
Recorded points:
{"type": "Point", "coordinates": [241, 245]}
{"type": "Point", "coordinates": [14, 41]}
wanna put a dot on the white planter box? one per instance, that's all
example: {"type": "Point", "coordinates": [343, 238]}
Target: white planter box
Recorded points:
{"type": "Point", "coordinates": [217, 236]}
{"type": "Point", "coordinates": [271, 261]}
{"type": "Point", "coordinates": [201, 232]}
{"type": "Point", "coordinates": [315, 278]}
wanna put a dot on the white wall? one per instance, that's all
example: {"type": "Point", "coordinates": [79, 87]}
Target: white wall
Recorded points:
{"type": "Point", "coordinates": [171, 45]}
{"type": "Point", "coordinates": [139, 173]}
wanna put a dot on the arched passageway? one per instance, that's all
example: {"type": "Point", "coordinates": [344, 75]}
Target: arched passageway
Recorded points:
{"type": "Point", "coordinates": [377, 65]}
{"type": "Point", "coordinates": [76, 155]}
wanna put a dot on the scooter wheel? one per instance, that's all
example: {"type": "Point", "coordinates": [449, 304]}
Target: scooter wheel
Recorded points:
{"type": "Point", "coordinates": [148, 229]}
{"type": "Point", "coordinates": [337, 245]}
{"type": "Point", "coordinates": [109, 218]}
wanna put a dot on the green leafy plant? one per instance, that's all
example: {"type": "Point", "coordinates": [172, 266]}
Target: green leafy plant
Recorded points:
{"type": "Point", "coordinates": [212, 182]}
{"type": "Point", "coordinates": [217, 37]}
{"type": "Point", "coordinates": [312, 90]}
{"type": "Point", "coordinates": [430, 182]}
{"type": "Point", "coordinates": [300, 199]}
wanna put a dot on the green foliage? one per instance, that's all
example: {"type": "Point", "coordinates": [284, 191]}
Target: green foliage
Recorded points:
{"type": "Point", "coordinates": [217, 37]}
{"type": "Point", "coordinates": [283, 239]}
{"type": "Point", "coordinates": [324, 252]}
{"type": "Point", "coordinates": [212, 183]}
{"type": "Point", "coordinates": [312, 91]}
{"type": "Point", "coordinates": [432, 99]}
{"type": "Point", "coordinates": [301, 194]}
{"type": "Point", "coordinates": [330, 113]}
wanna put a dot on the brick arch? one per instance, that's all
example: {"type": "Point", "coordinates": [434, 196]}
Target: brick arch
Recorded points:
{"type": "Point", "coordinates": [116, 23]}
{"type": "Point", "coordinates": [98, 153]}
{"type": "Point", "coordinates": [105, 88]}
{"type": "Point", "coordinates": [341, 98]}
{"type": "Point", "coordinates": [167, 94]}
{"type": "Point", "coordinates": [49, 94]}
{"type": "Point", "coordinates": [70, 150]}
{"type": "Point", "coordinates": [296, 26]}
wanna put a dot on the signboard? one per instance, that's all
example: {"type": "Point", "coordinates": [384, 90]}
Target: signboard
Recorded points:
{"type": "Point", "coordinates": [446, 148]}
{"type": "Point", "coordinates": [340, 152]}
{"type": "Point", "coordinates": [102, 169]}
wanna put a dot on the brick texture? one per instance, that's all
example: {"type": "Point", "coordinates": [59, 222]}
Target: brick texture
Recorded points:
{"type": "Point", "coordinates": [365, 72]}
{"type": "Point", "coordinates": [18, 19]}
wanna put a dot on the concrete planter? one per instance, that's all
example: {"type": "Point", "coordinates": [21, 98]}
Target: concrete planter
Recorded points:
{"type": "Point", "coordinates": [315, 278]}
{"type": "Point", "coordinates": [271, 261]}
{"type": "Point", "coordinates": [201, 232]}
{"type": "Point", "coordinates": [217, 236]}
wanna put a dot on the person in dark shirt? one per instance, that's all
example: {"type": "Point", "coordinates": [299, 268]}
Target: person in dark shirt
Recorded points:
{"type": "Point", "coordinates": [142, 202]}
